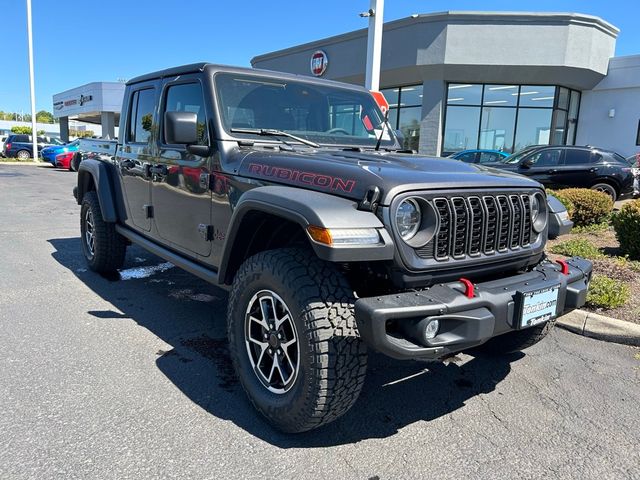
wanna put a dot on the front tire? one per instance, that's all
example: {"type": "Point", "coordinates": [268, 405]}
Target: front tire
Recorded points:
{"type": "Point", "coordinates": [104, 249]}
{"type": "Point", "coordinates": [293, 339]}
{"type": "Point", "coordinates": [516, 341]}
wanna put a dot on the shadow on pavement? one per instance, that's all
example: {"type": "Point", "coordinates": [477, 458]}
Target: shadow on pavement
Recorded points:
{"type": "Point", "coordinates": [189, 315]}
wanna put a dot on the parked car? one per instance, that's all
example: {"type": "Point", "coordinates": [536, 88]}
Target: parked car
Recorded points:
{"type": "Point", "coordinates": [634, 161]}
{"type": "Point", "coordinates": [20, 146]}
{"type": "Point", "coordinates": [50, 153]}
{"type": "Point", "coordinates": [3, 139]}
{"type": "Point", "coordinates": [331, 238]}
{"type": "Point", "coordinates": [480, 156]}
{"type": "Point", "coordinates": [63, 160]}
{"type": "Point", "coordinates": [572, 166]}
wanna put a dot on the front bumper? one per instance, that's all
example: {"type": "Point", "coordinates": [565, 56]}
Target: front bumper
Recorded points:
{"type": "Point", "coordinates": [464, 322]}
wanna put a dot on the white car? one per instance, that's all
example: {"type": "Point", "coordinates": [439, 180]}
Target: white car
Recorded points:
{"type": "Point", "coordinates": [3, 138]}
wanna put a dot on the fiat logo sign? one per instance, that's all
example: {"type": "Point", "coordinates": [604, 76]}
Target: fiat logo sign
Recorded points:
{"type": "Point", "coordinates": [319, 62]}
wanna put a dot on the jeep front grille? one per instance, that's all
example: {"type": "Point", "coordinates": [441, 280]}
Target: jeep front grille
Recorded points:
{"type": "Point", "coordinates": [479, 224]}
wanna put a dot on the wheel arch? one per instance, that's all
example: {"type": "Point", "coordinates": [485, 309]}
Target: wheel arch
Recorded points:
{"type": "Point", "coordinates": [274, 217]}
{"type": "Point", "coordinates": [93, 175]}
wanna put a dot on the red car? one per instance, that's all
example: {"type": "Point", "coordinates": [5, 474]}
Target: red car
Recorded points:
{"type": "Point", "coordinates": [63, 160]}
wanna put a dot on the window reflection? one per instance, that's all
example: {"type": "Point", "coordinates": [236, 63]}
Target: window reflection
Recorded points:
{"type": "Point", "coordinates": [405, 112]}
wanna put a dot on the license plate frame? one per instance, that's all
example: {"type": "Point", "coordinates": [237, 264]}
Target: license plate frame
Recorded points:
{"type": "Point", "coordinates": [537, 305]}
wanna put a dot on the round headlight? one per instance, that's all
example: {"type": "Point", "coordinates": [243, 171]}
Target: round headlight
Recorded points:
{"type": "Point", "coordinates": [538, 212]}
{"type": "Point", "coordinates": [408, 218]}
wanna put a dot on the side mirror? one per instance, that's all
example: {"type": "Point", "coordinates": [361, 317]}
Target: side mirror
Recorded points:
{"type": "Point", "coordinates": [180, 128]}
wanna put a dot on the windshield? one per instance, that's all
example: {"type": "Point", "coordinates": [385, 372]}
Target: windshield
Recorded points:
{"type": "Point", "coordinates": [516, 157]}
{"type": "Point", "coordinates": [55, 141]}
{"type": "Point", "coordinates": [319, 113]}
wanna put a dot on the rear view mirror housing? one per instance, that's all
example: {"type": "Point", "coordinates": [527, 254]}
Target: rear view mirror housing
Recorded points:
{"type": "Point", "coordinates": [180, 128]}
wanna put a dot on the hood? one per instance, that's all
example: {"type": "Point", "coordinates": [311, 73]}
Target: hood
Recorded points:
{"type": "Point", "coordinates": [350, 174]}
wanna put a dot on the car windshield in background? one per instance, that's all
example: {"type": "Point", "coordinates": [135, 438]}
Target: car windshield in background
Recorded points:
{"type": "Point", "coordinates": [55, 141]}
{"type": "Point", "coordinates": [516, 157]}
{"type": "Point", "coordinates": [319, 113]}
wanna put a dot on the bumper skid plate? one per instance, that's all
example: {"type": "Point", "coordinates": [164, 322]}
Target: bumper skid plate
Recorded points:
{"type": "Point", "coordinates": [496, 308]}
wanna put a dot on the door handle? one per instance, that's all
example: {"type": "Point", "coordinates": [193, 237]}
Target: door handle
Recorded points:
{"type": "Point", "coordinates": [553, 170]}
{"type": "Point", "coordinates": [593, 169]}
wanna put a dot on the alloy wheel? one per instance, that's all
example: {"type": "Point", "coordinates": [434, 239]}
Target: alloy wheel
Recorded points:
{"type": "Point", "coordinates": [89, 232]}
{"type": "Point", "coordinates": [272, 341]}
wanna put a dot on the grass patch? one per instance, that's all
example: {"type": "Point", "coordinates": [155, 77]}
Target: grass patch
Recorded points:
{"type": "Point", "coordinates": [15, 160]}
{"type": "Point", "coordinates": [594, 228]}
{"type": "Point", "coordinates": [578, 247]}
{"type": "Point", "coordinates": [605, 292]}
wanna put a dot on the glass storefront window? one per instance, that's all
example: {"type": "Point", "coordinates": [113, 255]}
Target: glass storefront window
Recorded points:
{"type": "Point", "coordinates": [534, 127]}
{"type": "Point", "coordinates": [411, 96]}
{"type": "Point", "coordinates": [563, 98]}
{"type": "Point", "coordinates": [496, 128]}
{"type": "Point", "coordinates": [503, 95]}
{"type": "Point", "coordinates": [391, 95]}
{"type": "Point", "coordinates": [537, 96]}
{"type": "Point", "coordinates": [558, 128]}
{"type": "Point", "coordinates": [464, 94]}
{"type": "Point", "coordinates": [574, 106]}
{"type": "Point", "coordinates": [409, 125]}
{"type": "Point", "coordinates": [461, 129]}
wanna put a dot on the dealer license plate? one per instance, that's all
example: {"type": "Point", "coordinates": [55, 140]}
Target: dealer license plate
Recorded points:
{"type": "Point", "coordinates": [538, 306]}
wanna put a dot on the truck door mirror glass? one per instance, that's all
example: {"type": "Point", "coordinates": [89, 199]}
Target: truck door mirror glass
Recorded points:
{"type": "Point", "coordinates": [180, 128]}
{"type": "Point", "coordinates": [526, 163]}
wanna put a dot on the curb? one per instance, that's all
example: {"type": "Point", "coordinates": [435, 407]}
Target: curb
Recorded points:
{"type": "Point", "coordinates": [600, 327]}
{"type": "Point", "coordinates": [24, 163]}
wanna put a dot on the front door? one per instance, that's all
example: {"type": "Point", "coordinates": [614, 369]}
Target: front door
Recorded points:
{"type": "Point", "coordinates": [543, 165]}
{"type": "Point", "coordinates": [180, 180]}
{"type": "Point", "coordinates": [135, 156]}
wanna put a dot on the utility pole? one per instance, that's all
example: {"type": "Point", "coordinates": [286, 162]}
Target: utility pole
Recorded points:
{"type": "Point", "coordinates": [374, 43]}
{"type": "Point", "coordinates": [34, 132]}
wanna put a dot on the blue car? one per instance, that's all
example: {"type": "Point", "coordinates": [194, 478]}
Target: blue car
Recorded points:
{"type": "Point", "coordinates": [480, 156]}
{"type": "Point", "coordinates": [49, 153]}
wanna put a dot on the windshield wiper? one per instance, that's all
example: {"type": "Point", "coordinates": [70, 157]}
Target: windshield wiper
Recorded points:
{"type": "Point", "coordinates": [271, 132]}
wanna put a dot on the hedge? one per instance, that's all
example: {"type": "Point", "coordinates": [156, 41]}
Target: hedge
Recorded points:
{"type": "Point", "coordinates": [627, 226]}
{"type": "Point", "coordinates": [585, 206]}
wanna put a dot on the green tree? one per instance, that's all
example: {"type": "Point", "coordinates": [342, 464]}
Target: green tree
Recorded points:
{"type": "Point", "coordinates": [44, 117]}
{"type": "Point", "coordinates": [21, 130]}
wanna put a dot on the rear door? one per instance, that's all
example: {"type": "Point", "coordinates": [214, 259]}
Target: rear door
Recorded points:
{"type": "Point", "coordinates": [180, 180]}
{"type": "Point", "coordinates": [134, 158]}
{"type": "Point", "coordinates": [577, 170]}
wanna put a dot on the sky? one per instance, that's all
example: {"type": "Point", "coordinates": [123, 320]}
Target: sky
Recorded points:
{"type": "Point", "coordinates": [77, 42]}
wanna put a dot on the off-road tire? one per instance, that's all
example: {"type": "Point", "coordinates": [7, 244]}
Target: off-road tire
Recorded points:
{"type": "Point", "coordinates": [516, 341]}
{"type": "Point", "coordinates": [332, 356]}
{"type": "Point", "coordinates": [109, 247]}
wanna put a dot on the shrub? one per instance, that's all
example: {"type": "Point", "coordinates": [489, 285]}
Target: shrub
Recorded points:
{"type": "Point", "coordinates": [589, 206]}
{"type": "Point", "coordinates": [605, 292]}
{"type": "Point", "coordinates": [568, 204]}
{"type": "Point", "coordinates": [580, 247]}
{"type": "Point", "coordinates": [627, 226]}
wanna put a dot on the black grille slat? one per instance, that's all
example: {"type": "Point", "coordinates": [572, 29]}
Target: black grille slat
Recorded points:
{"type": "Point", "coordinates": [460, 223]}
{"type": "Point", "coordinates": [491, 224]}
{"type": "Point", "coordinates": [526, 224]}
{"type": "Point", "coordinates": [476, 223]}
{"type": "Point", "coordinates": [441, 250]}
{"type": "Point", "coordinates": [503, 223]}
{"type": "Point", "coordinates": [516, 222]}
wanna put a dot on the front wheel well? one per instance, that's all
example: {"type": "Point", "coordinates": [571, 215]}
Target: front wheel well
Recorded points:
{"type": "Point", "coordinates": [258, 232]}
{"type": "Point", "coordinates": [86, 184]}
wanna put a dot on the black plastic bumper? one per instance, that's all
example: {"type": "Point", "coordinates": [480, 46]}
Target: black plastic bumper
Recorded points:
{"type": "Point", "coordinates": [464, 322]}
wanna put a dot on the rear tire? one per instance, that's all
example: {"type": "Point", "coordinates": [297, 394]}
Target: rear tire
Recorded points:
{"type": "Point", "coordinates": [104, 249]}
{"type": "Point", "coordinates": [23, 155]}
{"type": "Point", "coordinates": [607, 189]}
{"type": "Point", "coordinates": [321, 359]}
{"type": "Point", "coordinates": [516, 341]}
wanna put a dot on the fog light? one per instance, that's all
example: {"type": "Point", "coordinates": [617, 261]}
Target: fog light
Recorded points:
{"type": "Point", "coordinates": [431, 330]}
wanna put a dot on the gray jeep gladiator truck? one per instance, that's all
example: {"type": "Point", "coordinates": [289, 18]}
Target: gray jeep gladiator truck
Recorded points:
{"type": "Point", "coordinates": [294, 194]}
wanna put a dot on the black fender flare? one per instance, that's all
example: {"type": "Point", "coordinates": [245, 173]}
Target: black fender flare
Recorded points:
{"type": "Point", "coordinates": [90, 169]}
{"type": "Point", "coordinates": [305, 208]}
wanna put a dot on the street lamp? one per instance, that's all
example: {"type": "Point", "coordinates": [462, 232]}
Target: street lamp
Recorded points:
{"type": "Point", "coordinates": [374, 43]}
{"type": "Point", "coordinates": [34, 131]}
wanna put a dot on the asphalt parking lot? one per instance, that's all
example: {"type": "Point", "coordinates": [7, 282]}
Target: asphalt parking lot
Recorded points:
{"type": "Point", "coordinates": [129, 378]}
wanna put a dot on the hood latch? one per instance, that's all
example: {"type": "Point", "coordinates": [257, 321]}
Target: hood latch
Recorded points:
{"type": "Point", "coordinates": [370, 201]}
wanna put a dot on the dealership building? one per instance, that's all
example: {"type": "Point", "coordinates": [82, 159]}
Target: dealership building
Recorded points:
{"type": "Point", "coordinates": [97, 103]}
{"type": "Point", "coordinates": [466, 80]}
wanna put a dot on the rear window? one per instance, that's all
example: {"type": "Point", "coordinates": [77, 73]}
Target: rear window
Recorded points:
{"type": "Point", "coordinates": [20, 138]}
{"type": "Point", "coordinates": [141, 116]}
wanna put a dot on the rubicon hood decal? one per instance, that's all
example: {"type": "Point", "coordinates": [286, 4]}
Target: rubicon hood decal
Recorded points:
{"type": "Point", "coordinates": [315, 179]}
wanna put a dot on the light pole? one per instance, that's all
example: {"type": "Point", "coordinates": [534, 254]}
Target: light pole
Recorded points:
{"type": "Point", "coordinates": [34, 131]}
{"type": "Point", "coordinates": [374, 43]}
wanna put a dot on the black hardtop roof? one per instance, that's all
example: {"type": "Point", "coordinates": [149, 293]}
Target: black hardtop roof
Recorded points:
{"type": "Point", "coordinates": [211, 68]}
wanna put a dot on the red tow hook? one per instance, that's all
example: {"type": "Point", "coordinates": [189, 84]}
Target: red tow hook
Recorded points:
{"type": "Point", "coordinates": [564, 266]}
{"type": "Point", "coordinates": [469, 289]}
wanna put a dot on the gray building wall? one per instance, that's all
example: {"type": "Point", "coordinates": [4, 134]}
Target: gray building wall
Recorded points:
{"type": "Point", "coordinates": [566, 49]}
{"type": "Point", "coordinates": [619, 91]}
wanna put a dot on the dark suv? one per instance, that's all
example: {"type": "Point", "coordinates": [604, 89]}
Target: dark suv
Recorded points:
{"type": "Point", "coordinates": [562, 166]}
{"type": "Point", "coordinates": [20, 146]}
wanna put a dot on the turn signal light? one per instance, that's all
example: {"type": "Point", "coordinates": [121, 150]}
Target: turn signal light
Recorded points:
{"type": "Point", "coordinates": [344, 236]}
{"type": "Point", "coordinates": [319, 234]}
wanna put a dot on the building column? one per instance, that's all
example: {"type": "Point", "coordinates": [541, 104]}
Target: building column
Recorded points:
{"type": "Point", "coordinates": [433, 92]}
{"type": "Point", "coordinates": [64, 129]}
{"type": "Point", "coordinates": [108, 122]}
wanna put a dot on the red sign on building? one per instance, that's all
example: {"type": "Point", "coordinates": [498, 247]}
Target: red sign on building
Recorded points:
{"type": "Point", "coordinates": [319, 63]}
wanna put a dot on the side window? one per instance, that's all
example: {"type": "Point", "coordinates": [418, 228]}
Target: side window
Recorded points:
{"type": "Point", "coordinates": [141, 116]}
{"type": "Point", "coordinates": [469, 157]}
{"type": "Point", "coordinates": [577, 157]}
{"type": "Point", "coordinates": [188, 97]}
{"type": "Point", "coordinates": [546, 158]}
{"type": "Point", "coordinates": [489, 157]}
